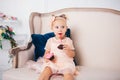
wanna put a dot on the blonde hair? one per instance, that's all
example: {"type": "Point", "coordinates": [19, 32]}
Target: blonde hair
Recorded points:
{"type": "Point", "coordinates": [60, 17]}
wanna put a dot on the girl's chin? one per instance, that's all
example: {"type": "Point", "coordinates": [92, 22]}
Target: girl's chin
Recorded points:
{"type": "Point", "coordinates": [60, 37]}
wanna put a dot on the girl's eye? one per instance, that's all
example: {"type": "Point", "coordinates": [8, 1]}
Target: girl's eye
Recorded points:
{"type": "Point", "coordinates": [56, 27]}
{"type": "Point", "coordinates": [63, 26]}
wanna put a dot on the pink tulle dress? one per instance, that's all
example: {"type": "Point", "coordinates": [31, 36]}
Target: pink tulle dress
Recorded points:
{"type": "Point", "coordinates": [63, 64]}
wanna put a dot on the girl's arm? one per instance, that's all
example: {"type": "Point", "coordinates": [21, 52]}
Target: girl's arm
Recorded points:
{"type": "Point", "coordinates": [46, 52]}
{"type": "Point", "coordinates": [70, 53]}
{"type": "Point", "coordinates": [46, 59]}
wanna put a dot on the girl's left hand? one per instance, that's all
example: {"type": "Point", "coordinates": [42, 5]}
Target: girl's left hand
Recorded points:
{"type": "Point", "coordinates": [66, 47]}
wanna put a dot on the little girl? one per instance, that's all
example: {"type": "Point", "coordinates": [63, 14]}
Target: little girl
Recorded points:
{"type": "Point", "coordinates": [59, 52]}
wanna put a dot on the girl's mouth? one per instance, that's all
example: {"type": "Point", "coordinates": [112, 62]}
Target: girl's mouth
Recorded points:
{"type": "Point", "coordinates": [60, 34]}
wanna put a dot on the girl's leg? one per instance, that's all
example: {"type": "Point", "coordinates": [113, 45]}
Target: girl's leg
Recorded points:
{"type": "Point", "coordinates": [45, 74]}
{"type": "Point", "coordinates": [68, 76]}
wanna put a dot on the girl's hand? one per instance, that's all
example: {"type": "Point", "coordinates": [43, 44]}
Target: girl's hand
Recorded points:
{"type": "Point", "coordinates": [46, 52]}
{"type": "Point", "coordinates": [50, 57]}
{"type": "Point", "coordinates": [46, 60]}
{"type": "Point", "coordinates": [66, 47]}
{"type": "Point", "coordinates": [68, 50]}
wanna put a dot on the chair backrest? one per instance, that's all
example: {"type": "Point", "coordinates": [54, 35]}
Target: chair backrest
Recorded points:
{"type": "Point", "coordinates": [95, 33]}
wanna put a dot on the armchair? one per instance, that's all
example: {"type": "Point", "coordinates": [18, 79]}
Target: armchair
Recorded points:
{"type": "Point", "coordinates": [96, 36]}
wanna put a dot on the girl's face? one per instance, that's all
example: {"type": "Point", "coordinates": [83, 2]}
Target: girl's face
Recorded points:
{"type": "Point", "coordinates": [59, 28]}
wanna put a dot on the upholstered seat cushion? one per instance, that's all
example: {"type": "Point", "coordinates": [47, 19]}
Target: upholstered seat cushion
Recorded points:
{"type": "Point", "coordinates": [20, 74]}
{"type": "Point", "coordinates": [85, 73]}
{"type": "Point", "coordinates": [25, 74]}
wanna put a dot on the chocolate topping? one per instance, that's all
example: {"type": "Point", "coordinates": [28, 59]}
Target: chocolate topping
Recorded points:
{"type": "Point", "coordinates": [60, 46]}
{"type": "Point", "coordinates": [52, 57]}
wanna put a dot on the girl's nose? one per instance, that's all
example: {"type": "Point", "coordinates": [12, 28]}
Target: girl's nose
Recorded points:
{"type": "Point", "coordinates": [60, 29]}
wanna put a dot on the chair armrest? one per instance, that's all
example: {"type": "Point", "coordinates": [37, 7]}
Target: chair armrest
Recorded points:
{"type": "Point", "coordinates": [24, 56]}
{"type": "Point", "coordinates": [21, 55]}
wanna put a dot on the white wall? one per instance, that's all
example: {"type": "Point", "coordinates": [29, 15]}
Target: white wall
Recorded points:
{"type": "Point", "coordinates": [58, 4]}
{"type": "Point", "coordinates": [23, 8]}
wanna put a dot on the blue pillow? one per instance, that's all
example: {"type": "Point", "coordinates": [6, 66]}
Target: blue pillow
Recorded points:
{"type": "Point", "coordinates": [39, 41]}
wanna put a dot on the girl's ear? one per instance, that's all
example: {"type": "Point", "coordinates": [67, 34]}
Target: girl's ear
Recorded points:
{"type": "Point", "coordinates": [63, 16]}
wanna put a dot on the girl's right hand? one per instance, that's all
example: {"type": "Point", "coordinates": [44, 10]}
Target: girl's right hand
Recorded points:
{"type": "Point", "coordinates": [47, 60]}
